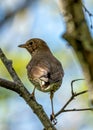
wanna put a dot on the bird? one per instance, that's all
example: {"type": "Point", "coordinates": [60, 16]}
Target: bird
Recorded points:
{"type": "Point", "coordinates": [44, 70]}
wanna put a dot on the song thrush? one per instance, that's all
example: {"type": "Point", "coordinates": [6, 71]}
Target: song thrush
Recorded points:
{"type": "Point", "coordinates": [44, 70]}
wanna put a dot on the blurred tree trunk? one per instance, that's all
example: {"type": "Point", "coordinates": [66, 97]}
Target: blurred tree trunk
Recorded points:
{"type": "Point", "coordinates": [78, 36]}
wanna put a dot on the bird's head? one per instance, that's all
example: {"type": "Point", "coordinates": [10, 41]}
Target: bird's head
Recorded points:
{"type": "Point", "coordinates": [35, 44]}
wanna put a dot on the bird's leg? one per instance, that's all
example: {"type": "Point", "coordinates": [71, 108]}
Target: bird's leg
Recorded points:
{"type": "Point", "coordinates": [52, 116]}
{"type": "Point", "coordinates": [51, 98]}
{"type": "Point", "coordinates": [33, 93]}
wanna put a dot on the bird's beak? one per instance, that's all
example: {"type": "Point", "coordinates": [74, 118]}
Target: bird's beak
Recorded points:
{"type": "Point", "coordinates": [22, 46]}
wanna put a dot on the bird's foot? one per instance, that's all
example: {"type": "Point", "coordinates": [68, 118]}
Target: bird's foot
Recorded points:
{"type": "Point", "coordinates": [32, 96]}
{"type": "Point", "coordinates": [53, 119]}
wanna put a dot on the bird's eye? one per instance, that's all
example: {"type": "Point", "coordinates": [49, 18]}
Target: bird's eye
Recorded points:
{"type": "Point", "coordinates": [31, 43]}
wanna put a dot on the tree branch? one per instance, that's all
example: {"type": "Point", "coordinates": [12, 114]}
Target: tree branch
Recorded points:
{"type": "Point", "coordinates": [9, 85]}
{"type": "Point", "coordinates": [19, 88]}
{"type": "Point", "coordinates": [8, 64]}
{"type": "Point", "coordinates": [73, 95]}
{"type": "Point", "coordinates": [78, 36]}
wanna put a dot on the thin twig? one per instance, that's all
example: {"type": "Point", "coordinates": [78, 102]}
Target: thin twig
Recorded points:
{"type": "Point", "coordinates": [68, 102]}
{"type": "Point", "coordinates": [74, 110]}
{"type": "Point", "coordinates": [90, 15]}
{"type": "Point", "coordinates": [73, 95]}
{"type": "Point", "coordinates": [72, 91]}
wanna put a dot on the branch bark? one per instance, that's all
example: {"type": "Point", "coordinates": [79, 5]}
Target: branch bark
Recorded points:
{"type": "Point", "coordinates": [20, 89]}
{"type": "Point", "coordinates": [78, 36]}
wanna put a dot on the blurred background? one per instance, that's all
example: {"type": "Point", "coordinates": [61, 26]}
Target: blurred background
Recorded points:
{"type": "Point", "coordinates": [20, 21]}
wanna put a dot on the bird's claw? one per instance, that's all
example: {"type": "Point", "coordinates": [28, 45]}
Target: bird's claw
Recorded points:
{"type": "Point", "coordinates": [32, 96]}
{"type": "Point", "coordinates": [53, 119]}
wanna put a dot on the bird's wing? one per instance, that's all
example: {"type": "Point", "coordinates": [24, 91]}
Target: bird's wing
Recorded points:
{"type": "Point", "coordinates": [57, 73]}
{"type": "Point", "coordinates": [38, 72]}
{"type": "Point", "coordinates": [56, 76]}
